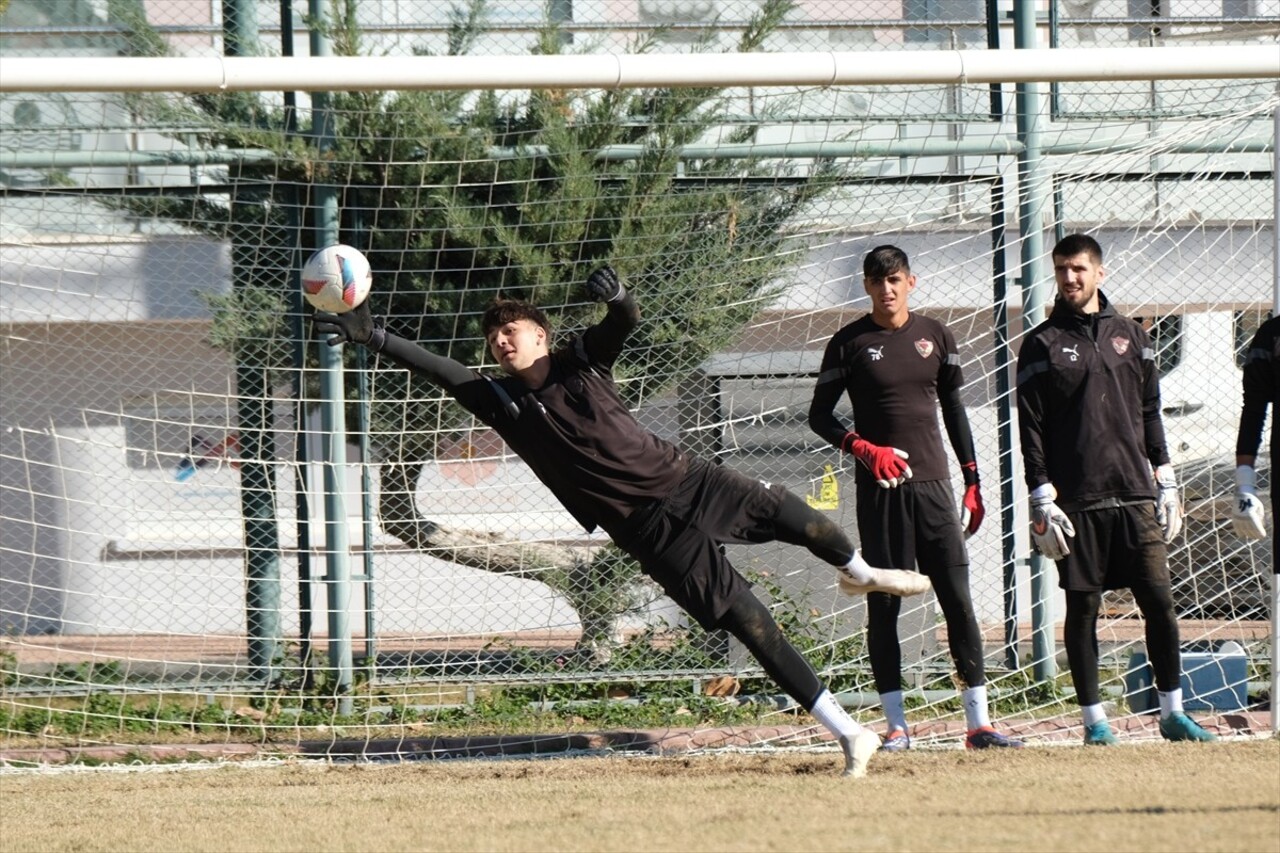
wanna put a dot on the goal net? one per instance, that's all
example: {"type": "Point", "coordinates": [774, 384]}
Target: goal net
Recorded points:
{"type": "Point", "coordinates": [164, 556]}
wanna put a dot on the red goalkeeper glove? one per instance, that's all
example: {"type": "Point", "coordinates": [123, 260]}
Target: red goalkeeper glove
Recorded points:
{"type": "Point", "coordinates": [888, 465]}
{"type": "Point", "coordinates": [972, 510]}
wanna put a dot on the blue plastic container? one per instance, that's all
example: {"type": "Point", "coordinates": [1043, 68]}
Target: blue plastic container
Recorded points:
{"type": "Point", "coordinates": [1213, 680]}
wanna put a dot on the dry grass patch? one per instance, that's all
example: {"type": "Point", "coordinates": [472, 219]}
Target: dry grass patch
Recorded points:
{"type": "Point", "coordinates": [1199, 797]}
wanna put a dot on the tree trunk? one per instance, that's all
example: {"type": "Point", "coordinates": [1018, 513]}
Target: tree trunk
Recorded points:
{"type": "Point", "coordinates": [478, 549]}
{"type": "Point", "coordinates": [587, 577]}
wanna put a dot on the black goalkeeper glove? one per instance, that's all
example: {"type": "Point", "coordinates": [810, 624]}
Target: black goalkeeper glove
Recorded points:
{"type": "Point", "coordinates": [356, 326]}
{"type": "Point", "coordinates": [603, 285]}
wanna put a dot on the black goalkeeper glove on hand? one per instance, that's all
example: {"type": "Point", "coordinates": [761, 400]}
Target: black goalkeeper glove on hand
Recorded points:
{"type": "Point", "coordinates": [603, 285]}
{"type": "Point", "coordinates": [356, 326]}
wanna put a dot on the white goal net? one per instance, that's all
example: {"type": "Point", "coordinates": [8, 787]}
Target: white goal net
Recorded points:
{"type": "Point", "coordinates": [162, 530]}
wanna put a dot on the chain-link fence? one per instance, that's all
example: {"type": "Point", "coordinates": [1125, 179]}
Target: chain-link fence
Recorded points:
{"type": "Point", "coordinates": [164, 502]}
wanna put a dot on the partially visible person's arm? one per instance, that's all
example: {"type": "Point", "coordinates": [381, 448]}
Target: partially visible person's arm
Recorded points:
{"type": "Point", "coordinates": [956, 421]}
{"type": "Point", "coordinates": [1051, 528]}
{"type": "Point", "coordinates": [358, 326]}
{"type": "Point", "coordinates": [1032, 377]}
{"type": "Point", "coordinates": [1259, 385]}
{"type": "Point", "coordinates": [1258, 382]}
{"type": "Point", "coordinates": [954, 417]}
{"type": "Point", "coordinates": [1152, 421]}
{"type": "Point", "coordinates": [1168, 498]}
{"type": "Point", "coordinates": [826, 395]}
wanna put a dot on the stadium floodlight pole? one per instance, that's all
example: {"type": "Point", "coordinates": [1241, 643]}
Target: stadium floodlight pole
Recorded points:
{"type": "Point", "coordinates": [614, 71]}
{"type": "Point", "coordinates": [332, 402]}
{"type": "Point", "coordinates": [1032, 195]}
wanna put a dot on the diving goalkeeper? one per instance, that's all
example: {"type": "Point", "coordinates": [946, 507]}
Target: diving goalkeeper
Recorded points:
{"type": "Point", "coordinates": [560, 412]}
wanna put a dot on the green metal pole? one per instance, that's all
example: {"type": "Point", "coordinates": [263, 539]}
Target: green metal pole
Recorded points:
{"type": "Point", "coordinates": [363, 419]}
{"type": "Point", "coordinates": [560, 13]}
{"type": "Point", "coordinates": [1032, 190]}
{"type": "Point", "coordinates": [995, 98]}
{"type": "Point", "coordinates": [1275, 309]}
{"type": "Point", "coordinates": [366, 513]}
{"type": "Point", "coordinates": [239, 28]}
{"type": "Point", "coordinates": [332, 420]}
{"type": "Point", "coordinates": [1004, 425]}
{"type": "Point", "coordinates": [301, 453]}
{"type": "Point", "coordinates": [258, 512]}
{"type": "Point", "coordinates": [1004, 359]}
{"type": "Point", "coordinates": [298, 309]}
{"type": "Point", "coordinates": [256, 437]}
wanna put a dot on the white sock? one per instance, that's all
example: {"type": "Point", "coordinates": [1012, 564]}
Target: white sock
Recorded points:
{"type": "Point", "coordinates": [1170, 703]}
{"type": "Point", "coordinates": [857, 569]}
{"type": "Point", "coordinates": [836, 719]}
{"type": "Point", "coordinates": [895, 715]}
{"type": "Point", "coordinates": [1093, 714]}
{"type": "Point", "coordinates": [975, 707]}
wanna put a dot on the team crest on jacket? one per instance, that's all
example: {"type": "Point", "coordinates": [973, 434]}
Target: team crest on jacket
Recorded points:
{"type": "Point", "coordinates": [1120, 345]}
{"type": "Point", "coordinates": [924, 347]}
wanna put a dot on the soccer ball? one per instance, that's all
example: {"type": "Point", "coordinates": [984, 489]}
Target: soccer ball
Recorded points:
{"type": "Point", "coordinates": [336, 279]}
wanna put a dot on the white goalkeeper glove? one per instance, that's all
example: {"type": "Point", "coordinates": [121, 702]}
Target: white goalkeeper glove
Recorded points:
{"type": "Point", "coordinates": [1050, 526]}
{"type": "Point", "coordinates": [1248, 517]}
{"type": "Point", "coordinates": [1168, 503]}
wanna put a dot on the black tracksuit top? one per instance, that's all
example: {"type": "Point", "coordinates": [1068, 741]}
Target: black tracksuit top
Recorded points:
{"type": "Point", "coordinates": [1261, 388]}
{"type": "Point", "coordinates": [896, 380]}
{"type": "Point", "coordinates": [1089, 407]}
{"type": "Point", "coordinates": [574, 432]}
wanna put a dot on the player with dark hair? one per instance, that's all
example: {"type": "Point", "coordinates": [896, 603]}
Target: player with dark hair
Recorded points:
{"type": "Point", "coordinates": [897, 368]}
{"type": "Point", "coordinates": [560, 412]}
{"type": "Point", "coordinates": [1104, 498]}
{"type": "Point", "coordinates": [1261, 386]}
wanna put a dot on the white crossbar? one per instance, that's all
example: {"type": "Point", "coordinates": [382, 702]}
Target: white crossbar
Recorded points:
{"type": "Point", "coordinates": [609, 71]}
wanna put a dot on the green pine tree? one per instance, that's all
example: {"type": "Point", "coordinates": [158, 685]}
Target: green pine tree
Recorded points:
{"type": "Point", "coordinates": [455, 196]}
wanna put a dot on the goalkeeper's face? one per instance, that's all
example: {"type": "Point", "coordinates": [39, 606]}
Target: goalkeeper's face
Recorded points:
{"type": "Point", "coordinates": [518, 345]}
{"type": "Point", "coordinates": [1078, 277]}
{"type": "Point", "coordinates": [889, 297]}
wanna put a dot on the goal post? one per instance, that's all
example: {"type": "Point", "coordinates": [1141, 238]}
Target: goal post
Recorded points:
{"type": "Point", "coordinates": [632, 71]}
{"type": "Point", "coordinates": [154, 211]}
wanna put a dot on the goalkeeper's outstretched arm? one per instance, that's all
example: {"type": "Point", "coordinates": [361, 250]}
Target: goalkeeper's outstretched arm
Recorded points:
{"type": "Point", "coordinates": [360, 327]}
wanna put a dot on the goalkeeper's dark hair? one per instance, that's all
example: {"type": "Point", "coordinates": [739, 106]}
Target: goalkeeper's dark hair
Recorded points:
{"type": "Point", "coordinates": [1078, 244]}
{"type": "Point", "coordinates": [883, 261]}
{"type": "Point", "coordinates": [503, 311]}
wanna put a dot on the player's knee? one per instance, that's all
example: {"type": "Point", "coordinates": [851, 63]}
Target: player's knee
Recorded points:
{"type": "Point", "coordinates": [800, 524]}
{"type": "Point", "coordinates": [1154, 599]}
{"type": "Point", "coordinates": [827, 540]}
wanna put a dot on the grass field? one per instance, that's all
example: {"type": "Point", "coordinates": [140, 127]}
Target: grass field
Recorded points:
{"type": "Point", "coordinates": [1136, 797]}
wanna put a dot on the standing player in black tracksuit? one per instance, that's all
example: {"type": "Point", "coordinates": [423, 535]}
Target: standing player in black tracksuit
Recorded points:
{"type": "Point", "coordinates": [897, 368]}
{"type": "Point", "coordinates": [1093, 447]}
{"type": "Point", "coordinates": [1261, 385]}
{"type": "Point", "coordinates": [560, 412]}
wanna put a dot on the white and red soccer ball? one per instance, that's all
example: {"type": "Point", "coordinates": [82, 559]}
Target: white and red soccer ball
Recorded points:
{"type": "Point", "coordinates": [336, 279]}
